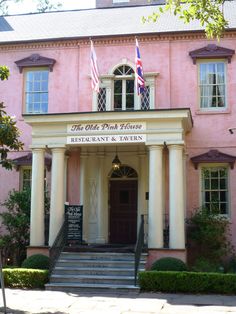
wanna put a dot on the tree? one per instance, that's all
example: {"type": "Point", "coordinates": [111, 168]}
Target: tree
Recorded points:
{"type": "Point", "coordinates": [42, 6]}
{"type": "Point", "coordinates": [16, 221]}
{"type": "Point", "coordinates": [47, 5]}
{"type": "Point", "coordinates": [9, 133]}
{"type": "Point", "coordinates": [210, 14]}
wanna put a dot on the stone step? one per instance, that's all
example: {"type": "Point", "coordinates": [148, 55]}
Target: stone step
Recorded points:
{"type": "Point", "coordinates": [94, 271]}
{"type": "Point", "coordinates": [97, 263]}
{"type": "Point", "coordinates": [93, 279]}
{"type": "Point", "coordinates": [99, 256]}
{"type": "Point", "coordinates": [96, 288]}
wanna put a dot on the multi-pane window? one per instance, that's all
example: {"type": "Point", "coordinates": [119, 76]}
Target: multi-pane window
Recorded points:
{"type": "Point", "coordinates": [212, 85]}
{"type": "Point", "coordinates": [145, 99]}
{"type": "Point", "coordinates": [124, 88]}
{"type": "Point", "coordinates": [26, 178]}
{"type": "Point", "coordinates": [215, 189]}
{"type": "Point", "coordinates": [101, 100]}
{"type": "Point", "coordinates": [36, 91]}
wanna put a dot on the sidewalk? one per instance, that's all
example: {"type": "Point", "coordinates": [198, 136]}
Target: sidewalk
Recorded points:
{"type": "Point", "coordinates": [54, 302]}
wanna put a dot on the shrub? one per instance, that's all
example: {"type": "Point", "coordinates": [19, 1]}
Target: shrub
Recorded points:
{"type": "Point", "coordinates": [187, 282]}
{"type": "Point", "coordinates": [36, 261]}
{"type": "Point", "coordinates": [210, 233]}
{"type": "Point", "coordinates": [204, 265]}
{"type": "Point", "coordinates": [25, 278]}
{"type": "Point", "coordinates": [16, 221]}
{"type": "Point", "coordinates": [169, 263]}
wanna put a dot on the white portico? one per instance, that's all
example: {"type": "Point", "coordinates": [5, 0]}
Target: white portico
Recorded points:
{"type": "Point", "coordinates": [150, 145]}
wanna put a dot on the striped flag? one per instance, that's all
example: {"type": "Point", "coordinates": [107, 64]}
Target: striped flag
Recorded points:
{"type": "Point", "coordinates": [139, 79]}
{"type": "Point", "coordinates": [94, 70]}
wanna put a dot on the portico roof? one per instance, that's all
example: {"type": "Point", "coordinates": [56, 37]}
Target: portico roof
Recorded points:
{"type": "Point", "coordinates": [152, 127]}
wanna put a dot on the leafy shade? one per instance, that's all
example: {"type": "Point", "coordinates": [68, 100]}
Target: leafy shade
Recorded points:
{"type": "Point", "coordinates": [209, 13]}
{"type": "Point", "coordinates": [9, 138]}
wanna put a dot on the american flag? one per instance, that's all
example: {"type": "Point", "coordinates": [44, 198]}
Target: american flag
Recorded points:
{"type": "Point", "coordinates": [139, 80]}
{"type": "Point", "coordinates": [94, 70]}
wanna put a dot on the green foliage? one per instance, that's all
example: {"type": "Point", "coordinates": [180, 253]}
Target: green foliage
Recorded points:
{"type": "Point", "coordinates": [25, 278]}
{"type": "Point", "coordinates": [42, 6]}
{"type": "Point", "coordinates": [36, 261]}
{"type": "Point", "coordinates": [169, 263]}
{"type": "Point", "coordinates": [209, 13]}
{"type": "Point", "coordinates": [204, 265]}
{"type": "Point", "coordinates": [187, 282]}
{"type": "Point", "coordinates": [47, 5]}
{"type": "Point", "coordinates": [9, 137]}
{"type": "Point", "coordinates": [210, 233]}
{"type": "Point", "coordinates": [16, 221]}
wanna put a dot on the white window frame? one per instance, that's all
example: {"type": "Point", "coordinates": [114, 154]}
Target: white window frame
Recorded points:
{"type": "Point", "coordinates": [22, 169]}
{"type": "Point", "coordinates": [107, 81]}
{"type": "Point", "coordinates": [212, 61]}
{"type": "Point", "coordinates": [26, 71]}
{"type": "Point", "coordinates": [217, 166]}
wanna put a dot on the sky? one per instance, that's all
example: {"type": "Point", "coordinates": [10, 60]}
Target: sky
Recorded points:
{"type": "Point", "coordinates": [28, 6]}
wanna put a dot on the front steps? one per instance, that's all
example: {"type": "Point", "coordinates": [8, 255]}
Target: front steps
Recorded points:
{"type": "Point", "coordinates": [95, 271]}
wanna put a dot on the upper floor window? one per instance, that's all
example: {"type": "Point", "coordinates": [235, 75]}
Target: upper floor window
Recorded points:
{"type": "Point", "coordinates": [212, 85]}
{"type": "Point", "coordinates": [117, 90]}
{"type": "Point", "coordinates": [36, 90]}
{"type": "Point", "coordinates": [212, 62]}
{"type": "Point", "coordinates": [124, 88]}
{"type": "Point", "coordinates": [36, 75]}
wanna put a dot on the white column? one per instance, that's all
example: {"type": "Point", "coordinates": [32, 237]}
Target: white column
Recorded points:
{"type": "Point", "coordinates": [57, 193]}
{"type": "Point", "coordinates": [155, 213]}
{"type": "Point", "coordinates": [82, 189]}
{"type": "Point", "coordinates": [100, 210]}
{"type": "Point", "coordinates": [37, 198]}
{"type": "Point", "coordinates": [176, 194]}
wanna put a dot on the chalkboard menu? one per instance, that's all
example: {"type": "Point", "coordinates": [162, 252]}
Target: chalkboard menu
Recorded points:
{"type": "Point", "coordinates": [74, 217]}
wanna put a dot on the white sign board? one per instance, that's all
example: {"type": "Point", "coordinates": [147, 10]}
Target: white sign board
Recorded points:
{"type": "Point", "coordinates": [106, 139]}
{"type": "Point", "coordinates": [93, 127]}
{"type": "Point", "coordinates": [85, 133]}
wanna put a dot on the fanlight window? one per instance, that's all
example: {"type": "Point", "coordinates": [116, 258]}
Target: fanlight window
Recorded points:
{"type": "Point", "coordinates": [124, 88]}
{"type": "Point", "coordinates": [124, 172]}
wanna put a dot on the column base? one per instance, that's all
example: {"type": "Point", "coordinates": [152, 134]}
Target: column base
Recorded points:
{"type": "Point", "coordinates": [31, 250]}
{"type": "Point", "coordinates": [155, 254]}
{"type": "Point", "coordinates": [100, 240]}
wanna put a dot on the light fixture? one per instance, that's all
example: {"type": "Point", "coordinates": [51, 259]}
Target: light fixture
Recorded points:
{"type": "Point", "coordinates": [116, 163]}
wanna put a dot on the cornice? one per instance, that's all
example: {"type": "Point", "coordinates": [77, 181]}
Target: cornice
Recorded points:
{"type": "Point", "coordinates": [110, 40]}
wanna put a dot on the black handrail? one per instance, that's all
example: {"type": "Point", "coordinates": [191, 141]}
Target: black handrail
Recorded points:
{"type": "Point", "coordinates": [138, 249]}
{"type": "Point", "coordinates": [57, 246]}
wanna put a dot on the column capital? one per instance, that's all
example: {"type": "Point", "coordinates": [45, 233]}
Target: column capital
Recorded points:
{"type": "Point", "coordinates": [35, 148]}
{"type": "Point", "coordinates": [175, 146]}
{"type": "Point", "coordinates": [58, 149]}
{"type": "Point", "coordinates": [155, 147]}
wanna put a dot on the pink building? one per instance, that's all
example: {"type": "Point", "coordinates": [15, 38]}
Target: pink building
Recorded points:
{"type": "Point", "coordinates": [173, 141]}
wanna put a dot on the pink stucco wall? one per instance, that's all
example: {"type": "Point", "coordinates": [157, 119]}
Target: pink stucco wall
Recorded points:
{"type": "Point", "coordinates": [176, 87]}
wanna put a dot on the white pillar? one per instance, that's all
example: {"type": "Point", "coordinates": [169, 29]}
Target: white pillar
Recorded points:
{"type": "Point", "coordinates": [100, 210]}
{"type": "Point", "coordinates": [155, 213]}
{"type": "Point", "coordinates": [176, 194]}
{"type": "Point", "coordinates": [57, 193]}
{"type": "Point", "coordinates": [82, 189]}
{"type": "Point", "coordinates": [37, 198]}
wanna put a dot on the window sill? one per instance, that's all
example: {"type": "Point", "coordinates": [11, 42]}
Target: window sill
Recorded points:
{"type": "Point", "coordinates": [206, 112]}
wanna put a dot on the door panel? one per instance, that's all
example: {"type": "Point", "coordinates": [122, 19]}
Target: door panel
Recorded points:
{"type": "Point", "coordinates": [123, 211]}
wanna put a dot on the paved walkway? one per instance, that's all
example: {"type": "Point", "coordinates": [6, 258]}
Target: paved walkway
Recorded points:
{"type": "Point", "coordinates": [54, 302]}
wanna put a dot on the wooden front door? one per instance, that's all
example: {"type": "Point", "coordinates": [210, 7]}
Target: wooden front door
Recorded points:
{"type": "Point", "coordinates": [123, 211]}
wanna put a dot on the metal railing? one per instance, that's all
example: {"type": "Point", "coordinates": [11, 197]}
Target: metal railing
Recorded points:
{"type": "Point", "coordinates": [138, 249]}
{"type": "Point", "coordinates": [58, 246]}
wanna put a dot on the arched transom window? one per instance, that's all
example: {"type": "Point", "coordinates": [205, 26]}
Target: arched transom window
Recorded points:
{"type": "Point", "coordinates": [124, 88]}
